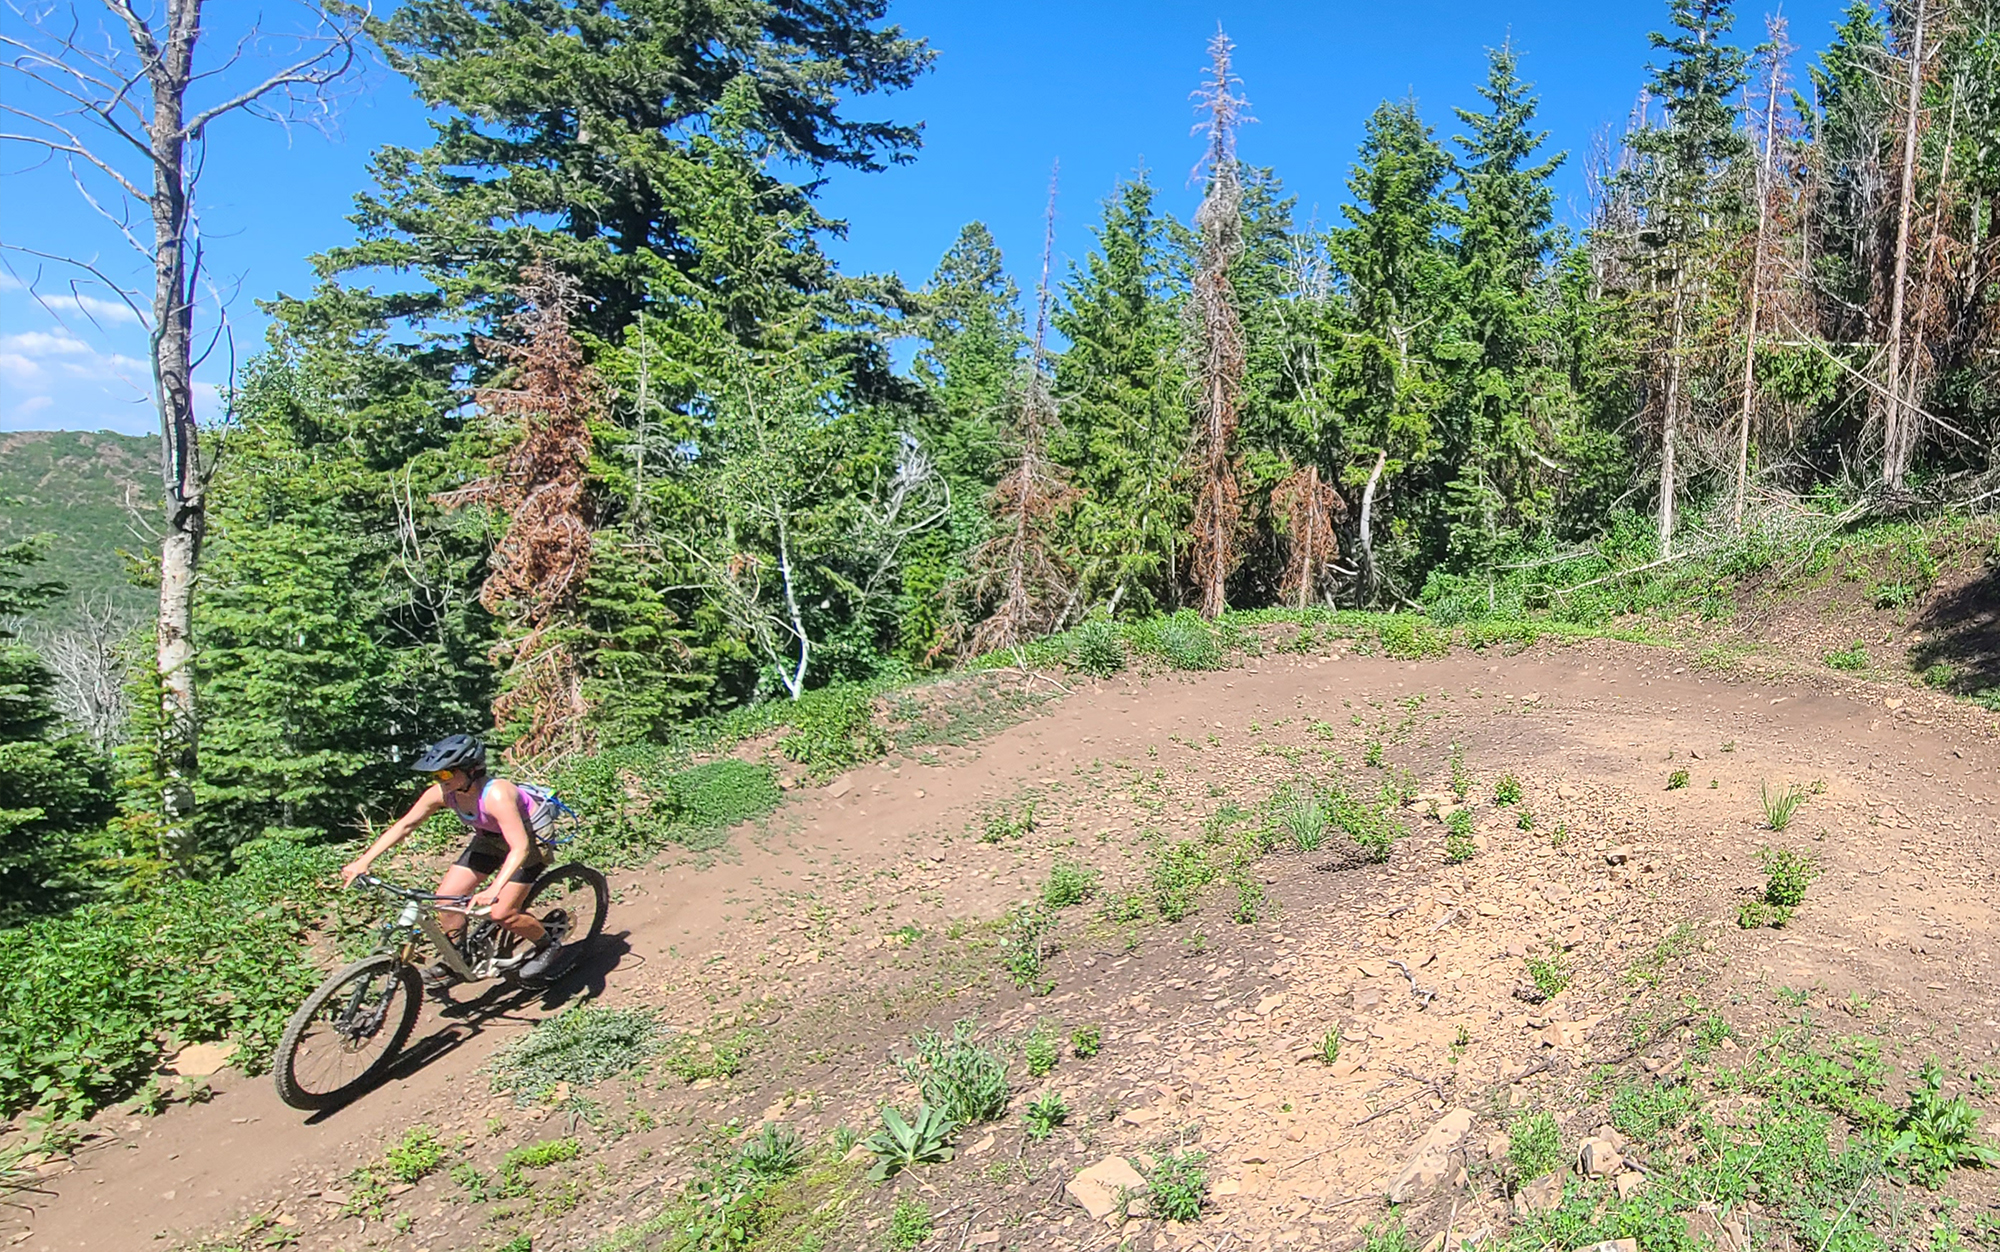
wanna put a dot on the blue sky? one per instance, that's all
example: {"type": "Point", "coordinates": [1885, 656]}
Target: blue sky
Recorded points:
{"type": "Point", "coordinates": [1101, 86]}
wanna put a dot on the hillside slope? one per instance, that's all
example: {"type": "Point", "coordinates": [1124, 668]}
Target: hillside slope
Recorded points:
{"type": "Point", "coordinates": [74, 486]}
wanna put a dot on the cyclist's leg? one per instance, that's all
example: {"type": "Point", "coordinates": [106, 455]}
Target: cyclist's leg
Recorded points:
{"type": "Point", "coordinates": [507, 909]}
{"type": "Point", "coordinates": [459, 880]}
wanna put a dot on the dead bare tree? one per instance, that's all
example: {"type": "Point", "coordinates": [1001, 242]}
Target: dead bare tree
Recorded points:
{"type": "Point", "coordinates": [1019, 572]}
{"type": "Point", "coordinates": [114, 93]}
{"type": "Point", "coordinates": [1899, 422]}
{"type": "Point", "coordinates": [90, 655]}
{"type": "Point", "coordinates": [1775, 54]}
{"type": "Point", "coordinates": [1217, 336]}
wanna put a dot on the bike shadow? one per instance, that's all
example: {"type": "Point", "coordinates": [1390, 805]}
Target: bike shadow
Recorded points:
{"type": "Point", "coordinates": [501, 1003]}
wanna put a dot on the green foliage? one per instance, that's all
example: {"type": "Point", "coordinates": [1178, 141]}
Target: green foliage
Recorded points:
{"type": "Point", "coordinates": [909, 1225]}
{"type": "Point", "coordinates": [1507, 790]}
{"type": "Point", "coordinates": [922, 1140]}
{"type": "Point", "coordinates": [832, 729]}
{"type": "Point", "coordinates": [1411, 638]}
{"type": "Point", "coordinates": [1458, 841]}
{"type": "Point", "coordinates": [68, 491]}
{"type": "Point", "coordinates": [1303, 813]}
{"type": "Point", "coordinates": [1386, 1237]}
{"type": "Point", "coordinates": [577, 1048]}
{"type": "Point", "coordinates": [1935, 1135]}
{"type": "Point", "coordinates": [1781, 805]}
{"type": "Point", "coordinates": [1329, 1047]}
{"type": "Point", "coordinates": [417, 1156]}
{"type": "Point", "coordinates": [775, 1153]}
{"type": "Point", "coordinates": [1647, 1111]}
{"type": "Point", "coordinates": [1461, 778]}
{"type": "Point", "coordinates": [635, 801]}
{"type": "Point", "coordinates": [1085, 1041]}
{"type": "Point", "coordinates": [1677, 780]}
{"type": "Point", "coordinates": [1534, 1145]}
{"type": "Point", "coordinates": [91, 993]}
{"type": "Point", "coordinates": [964, 1082]}
{"type": "Point", "coordinates": [692, 1058]}
{"type": "Point", "coordinates": [1044, 1113]}
{"type": "Point", "coordinates": [1250, 897]}
{"type": "Point", "coordinates": [1027, 947]}
{"type": "Point", "coordinates": [1180, 870]}
{"type": "Point", "coordinates": [1787, 874]}
{"type": "Point", "coordinates": [1373, 831]}
{"type": "Point", "coordinates": [1852, 659]}
{"type": "Point", "coordinates": [1550, 974]}
{"type": "Point", "coordinates": [1184, 641]}
{"type": "Point", "coordinates": [1039, 1052]}
{"type": "Point", "coordinates": [1068, 883]}
{"type": "Point", "coordinates": [1177, 1186]}
{"type": "Point", "coordinates": [1096, 648]}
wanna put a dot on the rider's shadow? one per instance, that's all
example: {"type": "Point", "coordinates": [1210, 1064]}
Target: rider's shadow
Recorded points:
{"type": "Point", "coordinates": [464, 1022]}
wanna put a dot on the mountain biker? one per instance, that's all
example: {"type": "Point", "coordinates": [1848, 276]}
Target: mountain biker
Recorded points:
{"type": "Point", "coordinates": [503, 820]}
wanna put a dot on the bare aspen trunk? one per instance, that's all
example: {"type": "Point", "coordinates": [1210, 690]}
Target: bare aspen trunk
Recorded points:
{"type": "Point", "coordinates": [1898, 428]}
{"type": "Point", "coordinates": [1670, 429]}
{"type": "Point", "coordinates": [1367, 536]}
{"type": "Point", "coordinates": [181, 473]}
{"type": "Point", "coordinates": [1764, 175]}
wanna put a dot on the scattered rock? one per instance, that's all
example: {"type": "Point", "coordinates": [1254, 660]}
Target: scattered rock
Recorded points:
{"type": "Point", "coordinates": [1102, 1189]}
{"type": "Point", "coordinates": [1544, 1195]}
{"type": "Point", "coordinates": [1430, 1162]}
{"type": "Point", "coordinates": [1628, 1182]}
{"type": "Point", "coordinates": [199, 1060]}
{"type": "Point", "coordinates": [1562, 1035]}
{"type": "Point", "coordinates": [839, 788]}
{"type": "Point", "coordinates": [1618, 855]}
{"type": "Point", "coordinates": [1568, 793]}
{"type": "Point", "coordinates": [1598, 1159]}
{"type": "Point", "coordinates": [1367, 999]}
{"type": "Point", "coordinates": [1270, 1004]}
{"type": "Point", "coordinates": [1612, 1245]}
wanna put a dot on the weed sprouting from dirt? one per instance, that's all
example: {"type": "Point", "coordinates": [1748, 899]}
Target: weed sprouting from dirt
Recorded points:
{"type": "Point", "coordinates": [1096, 648]}
{"type": "Point", "coordinates": [1549, 972]}
{"type": "Point", "coordinates": [1459, 846]}
{"type": "Point", "coordinates": [1027, 946]}
{"type": "Point", "coordinates": [1787, 874]}
{"type": "Point", "coordinates": [909, 1225]}
{"type": "Point", "coordinates": [1303, 814]}
{"type": "Point", "coordinates": [924, 1139]}
{"type": "Point", "coordinates": [1507, 790]}
{"type": "Point", "coordinates": [1373, 755]}
{"type": "Point", "coordinates": [1677, 780]}
{"type": "Point", "coordinates": [1780, 806]}
{"type": "Point", "coordinates": [1386, 1237]}
{"type": "Point", "coordinates": [1534, 1145]}
{"type": "Point", "coordinates": [577, 1048]}
{"type": "Point", "coordinates": [962, 1080]}
{"type": "Point", "coordinates": [1646, 1111]}
{"type": "Point", "coordinates": [1040, 1051]}
{"type": "Point", "coordinates": [417, 1156]}
{"type": "Point", "coordinates": [1043, 1114]}
{"type": "Point", "coordinates": [1935, 1135]}
{"type": "Point", "coordinates": [1371, 829]}
{"type": "Point", "coordinates": [1180, 871]}
{"type": "Point", "coordinates": [1177, 1186]}
{"type": "Point", "coordinates": [775, 1152]}
{"type": "Point", "coordinates": [1328, 1051]}
{"type": "Point", "coordinates": [1085, 1042]}
{"type": "Point", "coordinates": [1068, 883]}
{"type": "Point", "coordinates": [1009, 823]}
{"type": "Point", "coordinates": [1461, 777]}
{"type": "Point", "coordinates": [1851, 659]}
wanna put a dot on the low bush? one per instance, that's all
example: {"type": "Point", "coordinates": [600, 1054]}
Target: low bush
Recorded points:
{"type": "Point", "coordinates": [577, 1048]}
{"type": "Point", "coordinates": [1068, 883]}
{"type": "Point", "coordinates": [1534, 1145]}
{"type": "Point", "coordinates": [962, 1080]}
{"type": "Point", "coordinates": [1044, 1114]}
{"type": "Point", "coordinates": [1096, 648]}
{"type": "Point", "coordinates": [1180, 871]}
{"type": "Point", "coordinates": [1177, 1186]}
{"type": "Point", "coordinates": [832, 729]}
{"type": "Point", "coordinates": [1183, 641]}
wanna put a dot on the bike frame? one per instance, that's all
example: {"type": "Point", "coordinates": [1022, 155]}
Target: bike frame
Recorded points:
{"type": "Point", "coordinates": [416, 920]}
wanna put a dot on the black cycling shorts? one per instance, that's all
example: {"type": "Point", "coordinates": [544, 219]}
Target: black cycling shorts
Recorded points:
{"type": "Point", "coordinates": [483, 863]}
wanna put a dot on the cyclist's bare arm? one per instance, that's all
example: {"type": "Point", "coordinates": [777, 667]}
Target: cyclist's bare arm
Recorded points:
{"type": "Point", "coordinates": [430, 802]}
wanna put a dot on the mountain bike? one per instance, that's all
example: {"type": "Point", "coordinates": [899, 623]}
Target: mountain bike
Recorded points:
{"type": "Point", "coordinates": [349, 1031]}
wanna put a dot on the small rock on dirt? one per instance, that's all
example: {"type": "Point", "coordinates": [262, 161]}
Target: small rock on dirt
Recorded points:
{"type": "Point", "coordinates": [1598, 1158]}
{"type": "Point", "coordinates": [1367, 998]}
{"type": "Point", "coordinates": [1430, 1162]}
{"type": "Point", "coordinates": [1628, 1182]}
{"type": "Point", "coordinates": [1612, 1245]}
{"type": "Point", "coordinates": [1101, 1189]}
{"type": "Point", "coordinates": [199, 1060]}
{"type": "Point", "coordinates": [1544, 1195]}
{"type": "Point", "coordinates": [1618, 855]}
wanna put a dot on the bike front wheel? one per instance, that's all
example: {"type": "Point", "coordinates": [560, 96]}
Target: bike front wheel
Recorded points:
{"type": "Point", "coordinates": [347, 1032]}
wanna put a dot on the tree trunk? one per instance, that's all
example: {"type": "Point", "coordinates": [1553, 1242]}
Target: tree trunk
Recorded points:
{"type": "Point", "coordinates": [1670, 429]}
{"type": "Point", "coordinates": [182, 476]}
{"type": "Point", "coordinates": [1367, 536]}
{"type": "Point", "coordinates": [1756, 284]}
{"type": "Point", "coordinates": [1898, 428]}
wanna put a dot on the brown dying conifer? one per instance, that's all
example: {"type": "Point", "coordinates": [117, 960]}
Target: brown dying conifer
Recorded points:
{"type": "Point", "coordinates": [1217, 338]}
{"type": "Point", "coordinates": [1309, 506]}
{"type": "Point", "coordinates": [1018, 572]}
{"type": "Point", "coordinates": [538, 484]}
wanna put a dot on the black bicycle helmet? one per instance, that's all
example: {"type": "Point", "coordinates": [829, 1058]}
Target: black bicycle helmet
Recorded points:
{"type": "Point", "coordinates": [452, 752]}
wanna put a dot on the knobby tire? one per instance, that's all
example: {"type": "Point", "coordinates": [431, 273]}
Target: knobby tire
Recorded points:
{"type": "Point", "coordinates": [406, 990]}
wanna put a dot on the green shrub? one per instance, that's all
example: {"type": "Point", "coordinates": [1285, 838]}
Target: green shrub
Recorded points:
{"type": "Point", "coordinates": [1177, 1186]}
{"type": "Point", "coordinates": [909, 1225]}
{"type": "Point", "coordinates": [1935, 1135]}
{"type": "Point", "coordinates": [1853, 658]}
{"type": "Point", "coordinates": [1096, 648]}
{"type": "Point", "coordinates": [1677, 780]}
{"type": "Point", "coordinates": [89, 997]}
{"type": "Point", "coordinates": [1787, 874]}
{"type": "Point", "coordinates": [1461, 778]}
{"type": "Point", "coordinates": [632, 801]}
{"type": "Point", "coordinates": [1026, 947]}
{"type": "Point", "coordinates": [1780, 806]}
{"type": "Point", "coordinates": [1646, 1112]}
{"type": "Point", "coordinates": [1507, 790]}
{"type": "Point", "coordinates": [963, 1081]}
{"type": "Point", "coordinates": [1085, 1041]}
{"type": "Point", "coordinates": [1459, 846]}
{"type": "Point", "coordinates": [1039, 1052]}
{"type": "Point", "coordinates": [1044, 1114]}
{"type": "Point", "coordinates": [833, 729]}
{"type": "Point", "coordinates": [1534, 1145]}
{"type": "Point", "coordinates": [1548, 972]}
{"type": "Point", "coordinates": [922, 1140]}
{"type": "Point", "coordinates": [1329, 1047]}
{"type": "Point", "coordinates": [577, 1048]}
{"type": "Point", "coordinates": [1183, 641]}
{"type": "Point", "coordinates": [1180, 871]}
{"type": "Point", "coordinates": [1303, 814]}
{"type": "Point", "coordinates": [1068, 883]}
{"type": "Point", "coordinates": [416, 1157]}
{"type": "Point", "coordinates": [775, 1153]}
{"type": "Point", "coordinates": [1372, 830]}
{"type": "Point", "coordinates": [1411, 638]}
{"type": "Point", "coordinates": [719, 794]}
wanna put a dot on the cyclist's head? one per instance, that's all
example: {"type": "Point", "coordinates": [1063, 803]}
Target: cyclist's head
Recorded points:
{"type": "Point", "coordinates": [453, 752]}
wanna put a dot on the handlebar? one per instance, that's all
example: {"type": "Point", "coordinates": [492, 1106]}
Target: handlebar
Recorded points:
{"type": "Point", "coordinates": [389, 888]}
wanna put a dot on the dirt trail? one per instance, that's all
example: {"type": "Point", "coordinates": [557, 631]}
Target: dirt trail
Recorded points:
{"type": "Point", "coordinates": [1902, 916]}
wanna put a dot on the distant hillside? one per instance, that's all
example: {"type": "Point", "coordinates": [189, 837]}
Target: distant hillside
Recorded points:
{"type": "Point", "coordinates": [73, 486]}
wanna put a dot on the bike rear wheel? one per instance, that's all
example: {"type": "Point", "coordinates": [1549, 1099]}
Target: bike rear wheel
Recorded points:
{"type": "Point", "coordinates": [570, 901]}
{"type": "Point", "coordinates": [347, 1032]}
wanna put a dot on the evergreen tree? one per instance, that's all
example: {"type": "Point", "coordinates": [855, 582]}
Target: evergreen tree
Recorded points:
{"type": "Point", "coordinates": [1119, 385]}
{"type": "Point", "coordinates": [55, 788]}
{"type": "Point", "coordinates": [1513, 408]}
{"type": "Point", "coordinates": [1388, 381]}
{"type": "Point", "coordinates": [973, 341]}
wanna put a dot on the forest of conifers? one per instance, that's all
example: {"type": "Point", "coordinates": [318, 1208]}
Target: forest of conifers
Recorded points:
{"type": "Point", "coordinates": [583, 437]}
